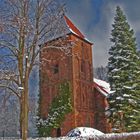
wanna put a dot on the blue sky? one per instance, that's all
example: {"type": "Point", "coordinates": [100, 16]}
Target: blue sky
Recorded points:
{"type": "Point", "coordinates": [95, 17]}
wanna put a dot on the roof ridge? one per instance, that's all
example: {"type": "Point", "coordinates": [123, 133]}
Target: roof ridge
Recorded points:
{"type": "Point", "coordinates": [73, 28]}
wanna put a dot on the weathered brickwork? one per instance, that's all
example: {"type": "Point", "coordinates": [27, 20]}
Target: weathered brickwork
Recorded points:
{"type": "Point", "coordinates": [100, 118]}
{"type": "Point", "coordinates": [77, 68]}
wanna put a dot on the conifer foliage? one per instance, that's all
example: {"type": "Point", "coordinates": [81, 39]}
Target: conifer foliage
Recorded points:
{"type": "Point", "coordinates": [124, 76]}
{"type": "Point", "coordinates": [61, 105]}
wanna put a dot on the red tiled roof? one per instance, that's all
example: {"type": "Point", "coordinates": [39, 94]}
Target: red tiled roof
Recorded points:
{"type": "Point", "coordinates": [100, 88]}
{"type": "Point", "coordinates": [96, 85]}
{"type": "Point", "coordinates": [73, 28]}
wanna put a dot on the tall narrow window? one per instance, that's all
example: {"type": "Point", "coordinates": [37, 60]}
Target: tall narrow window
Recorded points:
{"type": "Point", "coordinates": [56, 68]}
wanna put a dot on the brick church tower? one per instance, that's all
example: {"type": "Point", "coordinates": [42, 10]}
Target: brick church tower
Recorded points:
{"type": "Point", "coordinates": [75, 67]}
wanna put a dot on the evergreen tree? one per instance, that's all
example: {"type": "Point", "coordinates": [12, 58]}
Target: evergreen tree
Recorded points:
{"type": "Point", "coordinates": [124, 76]}
{"type": "Point", "coordinates": [60, 107]}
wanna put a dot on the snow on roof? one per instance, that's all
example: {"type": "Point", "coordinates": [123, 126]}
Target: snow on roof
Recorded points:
{"type": "Point", "coordinates": [102, 86]}
{"type": "Point", "coordinates": [73, 29]}
{"type": "Point", "coordinates": [64, 27]}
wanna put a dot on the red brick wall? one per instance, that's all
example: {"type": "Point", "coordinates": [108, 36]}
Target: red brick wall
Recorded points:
{"type": "Point", "coordinates": [100, 118]}
{"type": "Point", "coordinates": [82, 81]}
{"type": "Point", "coordinates": [78, 69]}
{"type": "Point", "coordinates": [49, 81]}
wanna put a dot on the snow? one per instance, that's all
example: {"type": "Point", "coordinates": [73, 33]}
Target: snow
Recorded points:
{"type": "Point", "coordinates": [20, 88]}
{"type": "Point", "coordinates": [84, 132]}
{"type": "Point", "coordinates": [73, 31]}
{"type": "Point", "coordinates": [103, 84]}
{"type": "Point", "coordinates": [128, 87]}
{"type": "Point", "coordinates": [111, 136]}
{"type": "Point", "coordinates": [87, 39]}
{"type": "Point", "coordinates": [126, 95]}
{"type": "Point", "coordinates": [116, 70]}
{"type": "Point", "coordinates": [107, 113]}
{"type": "Point", "coordinates": [119, 98]}
{"type": "Point", "coordinates": [116, 76]}
{"type": "Point", "coordinates": [77, 34]}
{"type": "Point", "coordinates": [131, 101]}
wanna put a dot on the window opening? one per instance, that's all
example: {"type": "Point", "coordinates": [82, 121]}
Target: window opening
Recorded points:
{"type": "Point", "coordinates": [58, 132]}
{"type": "Point", "coordinates": [55, 68]}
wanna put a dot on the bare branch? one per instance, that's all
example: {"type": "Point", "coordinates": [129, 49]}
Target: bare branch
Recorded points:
{"type": "Point", "coordinates": [26, 24]}
{"type": "Point", "coordinates": [11, 89]}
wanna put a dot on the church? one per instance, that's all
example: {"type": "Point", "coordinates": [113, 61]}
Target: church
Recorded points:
{"type": "Point", "coordinates": [88, 94]}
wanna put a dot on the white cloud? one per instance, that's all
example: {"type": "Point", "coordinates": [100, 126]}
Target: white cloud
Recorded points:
{"type": "Point", "coordinates": [82, 13]}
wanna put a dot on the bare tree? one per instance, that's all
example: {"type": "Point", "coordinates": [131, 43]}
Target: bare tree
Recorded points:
{"type": "Point", "coordinates": [9, 115]}
{"type": "Point", "coordinates": [101, 73]}
{"type": "Point", "coordinates": [25, 27]}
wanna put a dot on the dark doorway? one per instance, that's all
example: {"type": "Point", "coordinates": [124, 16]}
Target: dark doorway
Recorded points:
{"type": "Point", "coordinates": [58, 132]}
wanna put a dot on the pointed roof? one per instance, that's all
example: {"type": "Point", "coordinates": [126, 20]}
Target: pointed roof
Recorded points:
{"type": "Point", "coordinates": [69, 28]}
{"type": "Point", "coordinates": [102, 86]}
{"type": "Point", "coordinates": [73, 29]}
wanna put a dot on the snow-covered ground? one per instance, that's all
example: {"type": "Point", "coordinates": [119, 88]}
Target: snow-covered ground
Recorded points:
{"type": "Point", "coordinates": [84, 132]}
{"type": "Point", "coordinates": [121, 136]}
{"type": "Point", "coordinates": [61, 138]}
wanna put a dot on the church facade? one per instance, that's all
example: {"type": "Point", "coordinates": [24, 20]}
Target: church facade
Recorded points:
{"type": "Point", "coordinates": [76, 66]}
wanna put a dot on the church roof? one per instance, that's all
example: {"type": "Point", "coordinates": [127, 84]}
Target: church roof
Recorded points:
{"type": "Point", "coordinates": [65, 27]}
{"type": "Point", "coordinates": [73, 28]}
{"type": "Point", "coordinates": [102, 86]}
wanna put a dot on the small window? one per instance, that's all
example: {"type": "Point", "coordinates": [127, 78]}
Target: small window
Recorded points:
{"type": "Point", "coordinates": [55, 68]}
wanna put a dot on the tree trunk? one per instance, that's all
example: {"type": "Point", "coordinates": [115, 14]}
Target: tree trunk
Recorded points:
{"type": "Point", "coordinates": [21, 117]}
{"type": "Point", "coordinates": [25, 107]}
